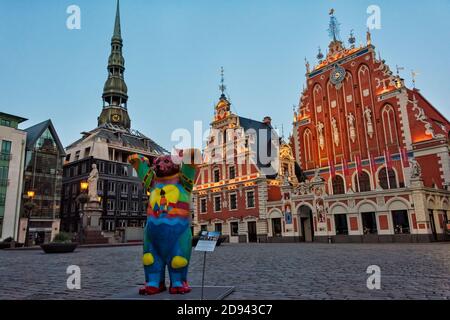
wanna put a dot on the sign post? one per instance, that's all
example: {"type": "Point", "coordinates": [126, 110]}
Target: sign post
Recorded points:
{"type": "Point", "coordinates": [206, 243]}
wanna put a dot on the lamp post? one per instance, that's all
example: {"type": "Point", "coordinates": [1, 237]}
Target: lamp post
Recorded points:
{"type": "Point", "coordinates": [29, 208]}
{"type": "Point", "coordinates": [82, 199]}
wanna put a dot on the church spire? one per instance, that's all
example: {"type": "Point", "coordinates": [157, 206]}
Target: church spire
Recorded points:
{"type": "Point", "coordinates": [115, 91]}
{"type": "Point", "coordinates": [117, 32]}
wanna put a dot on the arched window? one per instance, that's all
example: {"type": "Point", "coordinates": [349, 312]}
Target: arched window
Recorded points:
{"type": "Point", "coordinates": [389, 125]}
{"type": "Point", "coordinates": [338, 185]}
{"type": "Point", "coordinates": [383, 177]}
{"type": "Point", "coordinates": [362, 182]}
{"type": "Point", "coordinates": [307, 144]}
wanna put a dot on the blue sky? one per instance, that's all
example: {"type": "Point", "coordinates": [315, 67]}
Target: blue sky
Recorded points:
{"type": "Point", "coordinates": [174, 51]}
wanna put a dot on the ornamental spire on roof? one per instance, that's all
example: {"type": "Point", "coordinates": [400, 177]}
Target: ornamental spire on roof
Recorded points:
{"type": "Point", "coordinates": [115, 91]}
{"type": "Point", "coordinates": [117, 32]}
{"type": "Point", "coordinates": [334, 27]}
{"type": "Point", "coordinates": [222, 86]}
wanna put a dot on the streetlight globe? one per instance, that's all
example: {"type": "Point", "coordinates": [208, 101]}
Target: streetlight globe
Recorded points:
{"type": "Point", "coordinates": [31, 194]}
{"type": "Point", "coordinates": [84, 185]}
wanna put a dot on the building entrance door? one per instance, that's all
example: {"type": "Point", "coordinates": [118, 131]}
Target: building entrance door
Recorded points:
{"type": "Point", "coordinates": [252, 235]}
{"type": "Point", "coordinates": [432, 225]}
{"type": "Point", "coordinates": [306, 224]}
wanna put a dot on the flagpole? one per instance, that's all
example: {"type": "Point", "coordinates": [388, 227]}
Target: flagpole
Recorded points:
{"type": "Point", "coordinates": [403, 165]}
{"type": "Point", "coordinates": [357, 174]}
{"type": "Point", "coordinates": [387, 170]}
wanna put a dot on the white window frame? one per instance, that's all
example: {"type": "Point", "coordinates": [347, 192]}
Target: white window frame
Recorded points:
{"type": "Point", "coordinates": [200, 205]}
{"type": "Point", "coordinates": [246, 199]}
{"type": "Point", "coordinates": [214, 203]}
{"type": "Point", "coordinates": [229, 201]}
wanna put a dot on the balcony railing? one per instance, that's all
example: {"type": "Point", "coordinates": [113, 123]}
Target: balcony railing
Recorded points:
{"type": "Point", "coordinates": [5, 156]}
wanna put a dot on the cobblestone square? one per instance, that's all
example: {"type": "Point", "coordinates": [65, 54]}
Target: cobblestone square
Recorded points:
{"type": "Point", "coordinates": [258, 271]}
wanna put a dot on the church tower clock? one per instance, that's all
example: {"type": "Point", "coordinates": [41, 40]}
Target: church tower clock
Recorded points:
{"type": "Point", "coordinates": [115, 90]}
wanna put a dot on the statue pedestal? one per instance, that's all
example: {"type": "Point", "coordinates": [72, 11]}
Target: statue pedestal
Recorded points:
{"type": "Point", "coordinates": [92, 215]}
{"type": "Point", "coordinates": [417, 182]}
{"type": "Point", "coordinates": [92, 224]}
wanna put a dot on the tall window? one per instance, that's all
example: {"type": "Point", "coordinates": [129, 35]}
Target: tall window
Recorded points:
{"type": "Point", "coordinates": [307, 143]}
{"type": "Point", "coordinates": [111, 187]}
{"type": "Point", "coordinates": [203, 205]}
{"type": "Point", "coordinates": [123, 205]}
{"type": "Point", "coordinates": [110, 205]}
{"type": "Point", "coordinates": [6, 147]}
{"type": "Point", "coordinates": [338, 185]}
{"type": "Point", "coordinates": [387, 179]}
{"type": "Point", "coordinates": [233, 201]}
{"type": "Point", "coordinates": [218, 227]}
{"type": "Point", "coordinates": [389, 125]}
{"type": "Point", "coordinates": [362, 182]}
{"type": "Point", "coordinates": [250, 199]}
{"type": "Point", "coordinates": [232, 172]}
{"type": "Point", "coordinates": [217, 204]}
{"type": "Point", "coordinates": [216, 175]}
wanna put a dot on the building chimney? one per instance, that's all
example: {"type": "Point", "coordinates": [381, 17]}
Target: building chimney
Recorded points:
{"type": "Point", "coordinates": [267, 120]}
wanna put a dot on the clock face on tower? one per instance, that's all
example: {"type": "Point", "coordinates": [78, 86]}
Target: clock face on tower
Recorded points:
{"type": "Point", "coordinates": [337, 75]}
{"type": "Point", "coordinates": [115, 118]}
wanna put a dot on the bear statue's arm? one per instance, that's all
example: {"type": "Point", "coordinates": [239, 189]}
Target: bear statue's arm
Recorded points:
{"type": "Point", "coordinates": [143, 169]}
{"type": "Point", "coordinates": [191, 159]}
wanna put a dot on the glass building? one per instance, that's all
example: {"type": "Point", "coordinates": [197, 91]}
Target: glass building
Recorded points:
{"type": "Point", "coordinates": [43, 178]}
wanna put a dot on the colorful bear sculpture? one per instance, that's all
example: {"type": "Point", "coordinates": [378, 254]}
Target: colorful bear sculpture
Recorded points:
{"type": "Point", "coordinates": [167, 234]}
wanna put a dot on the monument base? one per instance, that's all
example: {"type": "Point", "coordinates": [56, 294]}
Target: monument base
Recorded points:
{"type": "Point", "coordinates": [209, 293]}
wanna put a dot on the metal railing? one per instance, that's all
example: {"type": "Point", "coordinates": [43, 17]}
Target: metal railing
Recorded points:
{"type": "Point", "coordinates": [5, 156]}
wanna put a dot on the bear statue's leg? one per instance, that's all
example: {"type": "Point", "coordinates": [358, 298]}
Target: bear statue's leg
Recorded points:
{"type": "Point", "coordinates": [154, 268]}
{"type": "Point", "coordinates": [178, 264]}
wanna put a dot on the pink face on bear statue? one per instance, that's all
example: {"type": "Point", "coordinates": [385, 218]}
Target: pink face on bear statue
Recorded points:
{"type": "Point", "coordinates": [164, 166]}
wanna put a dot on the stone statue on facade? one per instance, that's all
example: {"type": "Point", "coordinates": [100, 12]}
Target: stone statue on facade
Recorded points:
{"type": "Point", "coordinates": [416, 169]}
{"type": "Point", "coordinates": [335, 132]}
{"type": "Point", "coordinates": [368, 115]}
{"type": "Point", "coordinates": [93, 180]}
{"type": "Point", "coordinates": [320, 127]}
{"type": "Point", "coordinates": [351, 126]}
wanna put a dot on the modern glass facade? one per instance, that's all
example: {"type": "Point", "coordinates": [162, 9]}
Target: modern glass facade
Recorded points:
{"type": "Point", "coordinates": [43, 175]}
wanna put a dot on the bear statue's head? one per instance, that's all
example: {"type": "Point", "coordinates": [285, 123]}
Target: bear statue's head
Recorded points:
{"type": "Point", "coordinates": [164, 166]}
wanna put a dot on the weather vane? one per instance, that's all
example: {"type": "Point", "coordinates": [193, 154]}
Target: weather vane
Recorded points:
{"type": "Point", "coordinates": [334, 29]}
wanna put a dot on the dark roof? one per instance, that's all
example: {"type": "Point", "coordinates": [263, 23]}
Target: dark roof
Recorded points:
{"type": "Point", "coordinates": [263, 132]}
{"type": "Point", "coordinates": [124, 137]}
{"type": "Point", "coordinates": [130, 140]}
{"type": "Point", "coordinates": [36, 131]}
{"type": "Point", "coordinates": [11, 116]}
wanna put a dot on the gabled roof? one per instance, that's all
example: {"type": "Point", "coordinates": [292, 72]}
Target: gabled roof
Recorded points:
{"type": "Point", "coordinates": [36, 131]}
{"type": "Point", "coordinates": [263, 132]}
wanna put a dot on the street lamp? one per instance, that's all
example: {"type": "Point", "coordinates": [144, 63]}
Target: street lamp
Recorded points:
{"type": "Point", "coordinates": [29, 208]}
{"type": "Point", "coordinates": [82, 199]}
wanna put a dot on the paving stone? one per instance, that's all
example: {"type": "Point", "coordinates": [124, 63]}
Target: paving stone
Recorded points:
{"type": "Point", "coordinates": [257, 271]}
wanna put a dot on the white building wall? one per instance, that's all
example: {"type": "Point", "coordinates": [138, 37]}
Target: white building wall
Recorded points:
{"type": "Point", "coordinates": [15, 176]}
